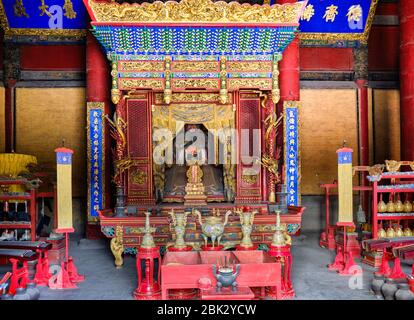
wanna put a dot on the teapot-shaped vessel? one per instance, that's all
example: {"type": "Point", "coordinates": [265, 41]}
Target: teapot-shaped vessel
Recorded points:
{"type": "Point", "coordinates": [213, 226]}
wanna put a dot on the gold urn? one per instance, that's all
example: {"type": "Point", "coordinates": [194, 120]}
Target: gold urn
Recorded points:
{"type": "Point", "coordinates": [390, 206]}
{"type": "Point", "coordinates": [399, 207]}
{"type": "Point", "coordinates": [246, 221]}
{"type": "Point", "coordinates": [382, 207]}
{"type": "Point", "coordinates": [408, 207]}
{"type": "Point", "coordinates": [179, 222]}
{"type": "Point", "coordinates": [399, 232]}
{"type": "Point", "coordinates": [381, 233]}
{"type": "Point", "coordinates": [408, 232]}
{"type": "Point", "coordinates": [213, 226]}
{"type": "Point", "coordinates": [390, 232]}
{"type": "Point", "coordinates": [280, 237]}
{"type": "Point", "coordinates": [147, 239]}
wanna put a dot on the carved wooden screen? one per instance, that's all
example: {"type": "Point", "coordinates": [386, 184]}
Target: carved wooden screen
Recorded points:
{"type": "Point", "coordinates": [249, 145]}
{"type": "Point", "coordinates": [139, 181]}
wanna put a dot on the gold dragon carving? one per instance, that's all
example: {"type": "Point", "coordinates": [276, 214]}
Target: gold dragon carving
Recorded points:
{"type": "Point", "coordinates": [199, 11]}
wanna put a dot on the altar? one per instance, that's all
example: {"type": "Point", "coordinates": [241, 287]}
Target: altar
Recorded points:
{"type": "Point", "coordinates": [196, 123]}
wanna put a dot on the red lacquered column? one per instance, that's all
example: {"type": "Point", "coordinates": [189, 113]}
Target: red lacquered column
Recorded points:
{"type": "Point", "coordinates": [98, 90]}
{"type": "Point", "coordinates": [361, 80]}
{"type": "Point", "coordinates": [407, 78]}
{"type": "Point", "coordinates": [9, 115]}
{"type": "Point", "coordinates": [289, 79]}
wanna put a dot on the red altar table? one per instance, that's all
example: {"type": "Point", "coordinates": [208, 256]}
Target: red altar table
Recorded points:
{"type": "Point", "coordinates": [183, 270]}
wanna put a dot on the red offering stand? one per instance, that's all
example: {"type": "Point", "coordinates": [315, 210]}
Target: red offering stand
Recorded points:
{"type": "Point", "coordinates": [148, 287]}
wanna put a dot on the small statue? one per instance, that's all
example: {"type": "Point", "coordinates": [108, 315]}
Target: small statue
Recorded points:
{"type": "Point", "coordinates": [117, 246]}
{"type": "Point", "coordinates": [280, 237]}
{"type": "Point", "coordinates": [213, 227]}
{"type": "Point", "coordinates": [179, 221]}
{"type": "Point", "coordinates": [147, 239]}
{"type": "Point", "coordinates": [226, 277]}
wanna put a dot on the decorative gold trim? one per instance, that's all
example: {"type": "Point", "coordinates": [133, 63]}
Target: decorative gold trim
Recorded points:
{"type": "Point", "coordinates": [178, 97]}
{"type": "Point", "coordinates": [363, 37]}
{"type": "Point", "coordinates": [129, 84]}
{"type": "Point", "coordinates": [141, 66]}
{"type": "Point", "coordinates": [275, 78]}
{"type": "Point", "coordinates": [89, 106]}
{"type": "Point", "coordinates": [240, 83]}
{"type": "Point", "coordinates": [195, 83]}
{"type": "Point", "coordinates": [223, 81]}
{"type": "Point", "coordinates": [138, 177]}
{"type": "Point", "coordinates": [197, 11]}
{"type": "Point", "coordinates": [195, 66]}
{"type": "Point", "coordinates": [76, 33]}
{"type": "Point", "coordinates": [167, 80]}
{"type": "Point", "coordinates": [249, 66]}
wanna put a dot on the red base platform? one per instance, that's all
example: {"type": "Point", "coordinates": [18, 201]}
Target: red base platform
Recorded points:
{"type": "Point", "coordinates": [241, 248]}
{"type": "Point", "coordinates": [210, 248]}
{"type": "Point", "coordinates": [352, 244]}
{"type": "Point", "coordinates": [56, 255]}
{"type": "Point", "coordinates": [172, 249]}
{"type": "Point", "coordinates": [242, 293]}
{"type": "Point", "coordinates": [327, 239]}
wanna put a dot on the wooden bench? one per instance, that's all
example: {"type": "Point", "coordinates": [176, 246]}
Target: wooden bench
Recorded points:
{"type": "Point", "coordinates": [41, 248]}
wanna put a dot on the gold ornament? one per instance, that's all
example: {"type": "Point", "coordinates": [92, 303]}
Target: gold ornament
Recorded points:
{"type": "Point", "coordinates": [129, 84]}
{"type": "Point", "coordinates": [138, 177]}
{"type": "Point", "coordinates": [196, 66]}
{"type": "Point", "coordinates": [246, 221]}
{"type": "Point", "coordinates": [19, 9]}
{"type": "Point", "coordinates": [179, 221]}
{"type": "Point", "coordinates": [147, 239]}
{"type": "Point", "coordinates": [69, 12]}
{"type": "Point", "coordinates": [399, 232]}
{"type": "Point", "coordinates": [261, 84]}
{"type": "Point", "coordinates": [141, 66]}
{"type": "Point", "coordinates": [196, 11]}
{"type": "Point", "coordinates": [392, 165]}
{"type": "Point", "coordinates": [44, 9]}
{"type": "Point", "coordinates": [280, 237]}
{"type": "Point", "coordinates": [117, 246]}
{"type": "Point", "coordinates": [408, 232]}
{"type": "Point", "coordinates": [196, 83]}
{"type": "Point", "coordinates": [408, 207]}
{"type": "Point", "coordinates": [249, 66]}
{"type": "Point", "coordinates": [390, 233]}
{"type": "Point", "coordinates": [381, 233]}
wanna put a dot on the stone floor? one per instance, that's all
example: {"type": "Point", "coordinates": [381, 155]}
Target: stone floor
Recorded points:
{"type": "Point", "coordinates": [311, 279]}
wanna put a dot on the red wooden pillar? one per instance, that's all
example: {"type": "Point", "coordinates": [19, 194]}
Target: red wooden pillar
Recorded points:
{"type": "Point", "coordinates": [11, 74]}
{"type": "Point", "coordinates": [9, 109]}
{"type": "Point", "coordinates": [407, 78]}
{"type": "Point", "coordinates": [289, 79]}
{"type": "Point", "coordinates": [98, 90]}
{"type": "Point", "coordinates": [361, 80]}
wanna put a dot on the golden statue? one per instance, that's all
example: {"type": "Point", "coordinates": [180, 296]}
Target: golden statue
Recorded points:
{"type": "Point", "coordinates": [117, 247]}
{"type": "Point", "coordinates": [194, 190]}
